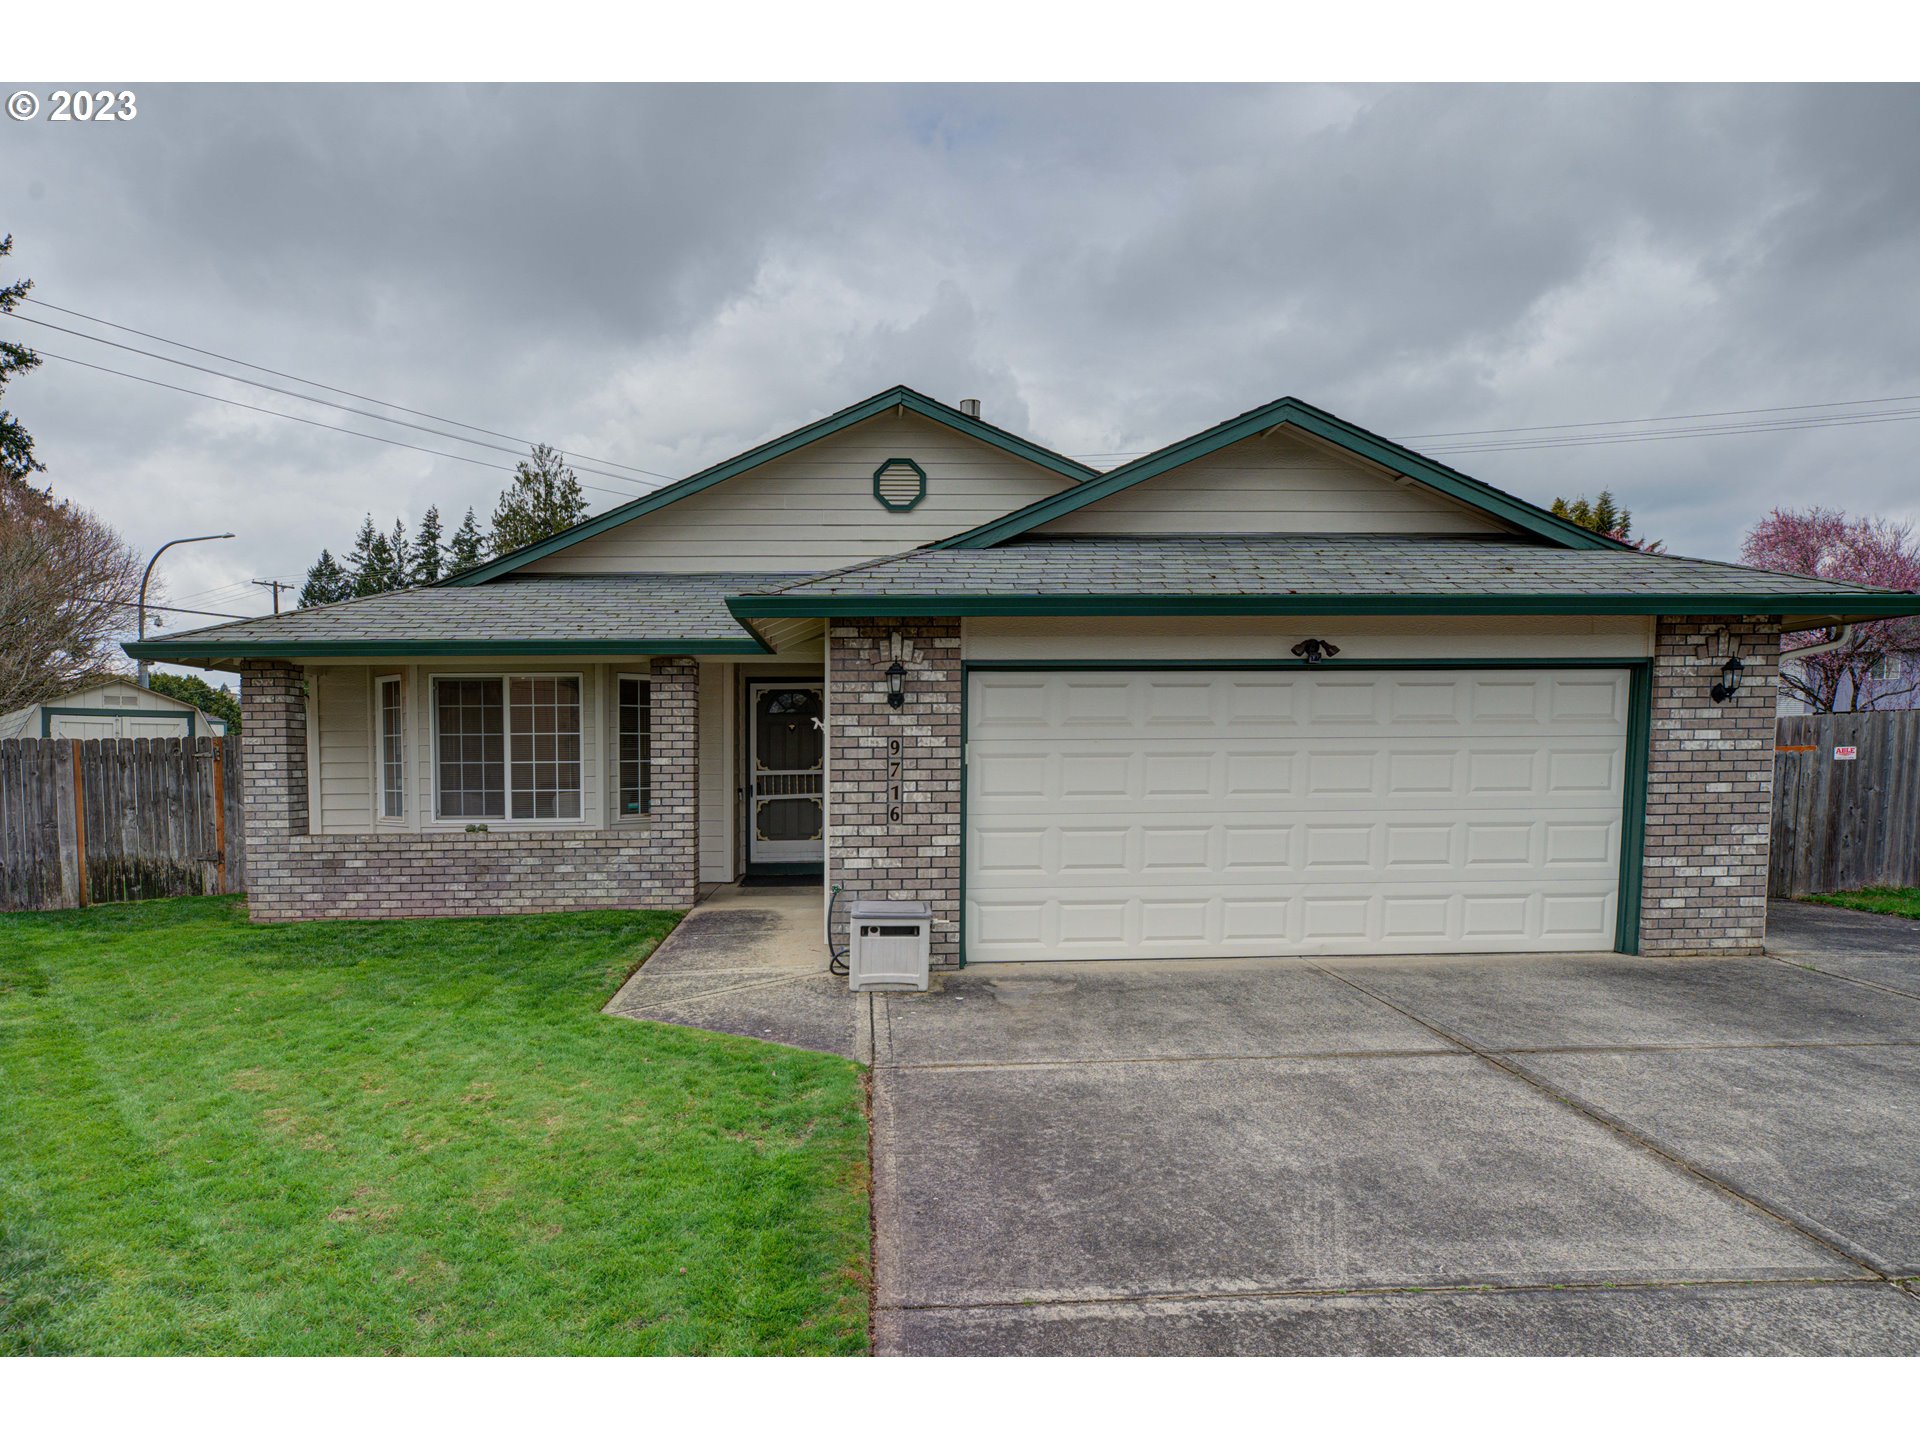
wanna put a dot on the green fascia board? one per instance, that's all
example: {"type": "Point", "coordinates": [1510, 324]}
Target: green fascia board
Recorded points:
{"type": "Point", "coordinates": [886, 400]}
{"type": "Point", "coordinates": [182, 651]}
{"type": "Point", "coordinates": [1288, 411]}
{"type": "Point", "coordinates": [1861, 607]}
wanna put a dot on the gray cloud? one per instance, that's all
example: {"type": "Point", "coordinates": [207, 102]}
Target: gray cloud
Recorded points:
{"type": "Point", "coordinates": [666, 275]}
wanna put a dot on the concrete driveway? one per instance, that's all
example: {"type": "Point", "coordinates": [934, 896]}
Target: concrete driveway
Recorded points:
{"type": "Point", "coordinates": [1537, 1154]}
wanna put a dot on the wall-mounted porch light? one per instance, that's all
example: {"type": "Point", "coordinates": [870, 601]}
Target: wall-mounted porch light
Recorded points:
{"type": "Point", "coordinates": [896, 685]}
{"type": "Point", "coordinates": [1729, 684]}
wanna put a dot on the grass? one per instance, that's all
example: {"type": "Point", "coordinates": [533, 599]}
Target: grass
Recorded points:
{"type": "Point", "coordinates": [404, 1137]}
{"type": "Point", "coordinates": [1880, 899]}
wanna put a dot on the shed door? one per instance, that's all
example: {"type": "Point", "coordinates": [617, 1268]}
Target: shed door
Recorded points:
{"type": "Point", "coordinates": [1172, 814]}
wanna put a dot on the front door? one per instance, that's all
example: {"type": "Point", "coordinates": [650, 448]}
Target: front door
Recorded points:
{"type": "Point", "coordinates": [787, 743]}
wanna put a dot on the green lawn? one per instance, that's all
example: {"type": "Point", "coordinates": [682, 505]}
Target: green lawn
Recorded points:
{"type": "Point", "coordinates": [1880, 899]}
{"type": "Point", "coordinates": [404, 1137]}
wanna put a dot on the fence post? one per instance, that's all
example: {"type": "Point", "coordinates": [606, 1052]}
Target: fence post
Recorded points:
{"type": "Point", "coordinates": [79, 824]}
{"type": "Point", "coordinates": [220, 811]}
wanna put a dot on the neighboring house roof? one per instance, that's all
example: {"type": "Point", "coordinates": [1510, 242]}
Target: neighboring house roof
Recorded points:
{"type": "Point", "coordinates": [1306, 574]}
{"type": "Point", "coordinates": [637, 614]}
{"type": "Point", "coordinates": [1289, 411]}
{"type": "Point", "coordinates": [886, 400]}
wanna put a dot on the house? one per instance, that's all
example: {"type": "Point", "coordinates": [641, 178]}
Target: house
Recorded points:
{"type": "Point", "coordinates": [1282, 687]}
{"type": "Point", "coordinates": [111, 710]}
{"type": "Point", "coordinates": [1893, 683]}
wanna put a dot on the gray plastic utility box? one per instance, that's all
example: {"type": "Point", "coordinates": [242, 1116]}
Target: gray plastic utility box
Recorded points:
{"type": "Point", "coordinates": [888, 946]}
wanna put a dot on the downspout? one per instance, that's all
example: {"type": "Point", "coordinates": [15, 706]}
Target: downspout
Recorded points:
{"type": "Point", "coordinates": [1841, 637]}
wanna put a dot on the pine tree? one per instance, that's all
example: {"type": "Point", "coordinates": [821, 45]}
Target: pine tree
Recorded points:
{"type": "Point", "coordinates": [544, 499]}
{"type": "Point", "coordinates": [326, 582]}
{"type": "Point", "coordinates": [399, 576]}
{"type": "Point", "coordinates": [381, 573]}
{"type": "Point", "coordinates": [468, 547]}
{"type": "Point", "coordinates": [16, 445]}
{"type": "Point", "coordinates": [1602, 516]}
{"type": "Point", "coordinates": [360, 560]}
{"type": "Point", "coordinates": [426, 562]}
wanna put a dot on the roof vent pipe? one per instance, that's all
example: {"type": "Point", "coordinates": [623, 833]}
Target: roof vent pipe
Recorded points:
{"type": "Point", "coordinates": [970, 409]}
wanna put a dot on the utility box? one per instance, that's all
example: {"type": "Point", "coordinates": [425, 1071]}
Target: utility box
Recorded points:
{"type": "Point", "coordinates": [888, 947]}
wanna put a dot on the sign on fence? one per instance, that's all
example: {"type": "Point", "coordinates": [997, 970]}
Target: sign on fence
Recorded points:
{"type": "Point", "coordinates": [85, 821]}
{"type": "Point", "coordinates": [1846, 802]}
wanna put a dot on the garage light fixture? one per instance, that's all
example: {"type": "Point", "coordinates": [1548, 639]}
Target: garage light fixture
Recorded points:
{"type": "Point", "coordinates": [1729, 685]}
{"type": "Point", "coordinates": [1312, 652]}
{"type": "Point", "coordinates": [896, 685]}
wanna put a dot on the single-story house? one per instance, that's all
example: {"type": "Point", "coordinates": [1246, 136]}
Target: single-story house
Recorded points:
{"type": "Point", "coordinates": [1282, 687]}
{"type": "Point", "coordinates": [110, 710]}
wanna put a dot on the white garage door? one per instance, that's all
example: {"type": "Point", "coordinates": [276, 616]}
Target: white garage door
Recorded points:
{"type": "Point", "coordinates": [1135, 814]}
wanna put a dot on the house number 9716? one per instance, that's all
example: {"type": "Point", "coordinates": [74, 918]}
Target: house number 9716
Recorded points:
{"type": "Point", "coordinates": [896, 795]}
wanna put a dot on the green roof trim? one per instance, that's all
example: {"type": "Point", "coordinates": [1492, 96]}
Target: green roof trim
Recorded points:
{"type": "Point", "coordinates": [904, 606]}
{"type": "Point", "coordinates": [1288, 411]}
{"type": "Point", "coordinates": [185, 649]}
{"type": "Point", "coordinates": [900, 396]}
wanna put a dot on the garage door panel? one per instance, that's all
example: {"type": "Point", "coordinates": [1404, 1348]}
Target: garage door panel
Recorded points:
{"type": "Point", "coordinates": [1115, 814]}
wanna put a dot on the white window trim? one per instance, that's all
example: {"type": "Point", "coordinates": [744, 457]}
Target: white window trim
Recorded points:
{"type": "Point", "coordinates": [380, 816]}
{"type": "Point", "coordinates": [612, 748]}
{"type": "Point", "coordinates": [506, 822]}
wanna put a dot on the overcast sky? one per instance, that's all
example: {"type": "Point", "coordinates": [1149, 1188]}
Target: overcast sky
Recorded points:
{"type": "Point", "coordinates": [665, 276]}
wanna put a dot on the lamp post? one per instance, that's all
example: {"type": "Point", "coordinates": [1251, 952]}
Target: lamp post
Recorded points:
{"type": "Point", "coordinates": [141, 665]}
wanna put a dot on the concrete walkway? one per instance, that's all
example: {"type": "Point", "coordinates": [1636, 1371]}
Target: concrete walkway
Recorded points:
{"type": "Point", "coordinates": [751, 961]}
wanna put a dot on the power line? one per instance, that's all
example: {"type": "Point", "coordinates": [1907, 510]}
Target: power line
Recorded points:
{"type": "Point", "coordinates": [335, 389]}
{"type": "Point", "coordinates": [172, 609]}
{"type": "Point", "coordinates": [304, 420]}
{"type": "Point", "coordinates": [1808, 422]}
{"type": "Point", "coordinates": [1692, 432]}
{"type": "Point", "coordinates": [296, 395]}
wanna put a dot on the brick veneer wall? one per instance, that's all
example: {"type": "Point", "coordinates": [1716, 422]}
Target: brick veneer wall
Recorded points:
{"type": "Point", "coordinates": [1709, 788]}
{"type": "Point", "coordinates": [293, 875]}
{"type": "Point", "coordinates": [872, 856]}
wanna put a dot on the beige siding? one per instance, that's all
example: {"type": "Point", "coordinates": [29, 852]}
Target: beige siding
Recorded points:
{"type": "Point", "coordinates": [1285, 482]}
{"type": "Point", "coordinates": [1272, 637]}
{"type": "Point", "coordinates": [719, 733]}
{"type": "Point", "coordinates": [814, 508]}
{"type": "Point", "coordinates": [343, 789]}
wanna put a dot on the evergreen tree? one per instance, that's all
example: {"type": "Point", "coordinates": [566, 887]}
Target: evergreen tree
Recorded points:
{"type": "Point", "coordinates": [360, 560]}
{"type": "Point", "coordinates": [544, 499]}
{"type": "Point", "coordinates": [402, 573]}
{"type": "Point", "coordinates": [1603, 516]}
{"type": "Point", "coordinates": [381, 572]}
{"type": "Point", "coordinates": [427, 563]}
{"type": "Point", "coordinates": [326, 582]}
{"type": "Point", "coordinates": [468, 547]}
{"type": "Point", "coordinates": [16, 445]}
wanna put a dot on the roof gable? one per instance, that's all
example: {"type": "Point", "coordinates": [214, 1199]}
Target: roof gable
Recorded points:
{"type": "Point", "coordinates": [898, 396]}
{"type": "Point", "coordinates": [1446, 481]}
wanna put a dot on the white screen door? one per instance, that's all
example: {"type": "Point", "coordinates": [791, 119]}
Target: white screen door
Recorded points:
{"type": "Point", "coordinates": [787, 743]}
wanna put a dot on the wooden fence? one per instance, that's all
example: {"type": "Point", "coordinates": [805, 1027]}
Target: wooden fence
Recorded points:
{"type": "Point", "coordinates": [86, 821]}
{"type": "Point", "coordinates": [1840, 823]}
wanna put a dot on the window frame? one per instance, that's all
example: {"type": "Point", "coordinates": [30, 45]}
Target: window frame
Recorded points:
{"type": "Point", "coordinates": [397, 679]}
{"type": "Point", "coordinates": [618, 816]}
{"type": "Point", "coordinates": [506, 679]}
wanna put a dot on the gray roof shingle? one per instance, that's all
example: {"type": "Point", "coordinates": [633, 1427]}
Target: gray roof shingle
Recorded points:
{"type": "Point", "coordinates": [1276, 567]}
{"type": "Point", "coordinates": [625, 613]}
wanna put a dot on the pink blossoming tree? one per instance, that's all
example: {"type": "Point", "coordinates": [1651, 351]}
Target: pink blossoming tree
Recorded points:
{"type": "Point", "coordinates": [1879, 668]}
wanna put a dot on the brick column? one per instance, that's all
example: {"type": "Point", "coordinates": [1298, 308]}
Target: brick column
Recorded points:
{"type": "Point", "coordinates": [675, 741]}
{"type": "Point", "coordinates": [1709, 788]}
{"type": "Point", "coordinates": [273, 775]}
{"type": "Point", "coordinates": [871, 854]}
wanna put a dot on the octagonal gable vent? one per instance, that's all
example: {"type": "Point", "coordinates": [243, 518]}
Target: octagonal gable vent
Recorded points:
{"type": "Point", "coordinates": [899, 484]}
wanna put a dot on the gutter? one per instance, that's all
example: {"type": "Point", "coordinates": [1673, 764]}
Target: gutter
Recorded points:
{"type": "Point", "coordinates": [1841, 637]}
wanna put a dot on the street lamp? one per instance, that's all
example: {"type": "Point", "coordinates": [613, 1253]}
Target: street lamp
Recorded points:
{"type": "Point", "coordinates": [141, 665]}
